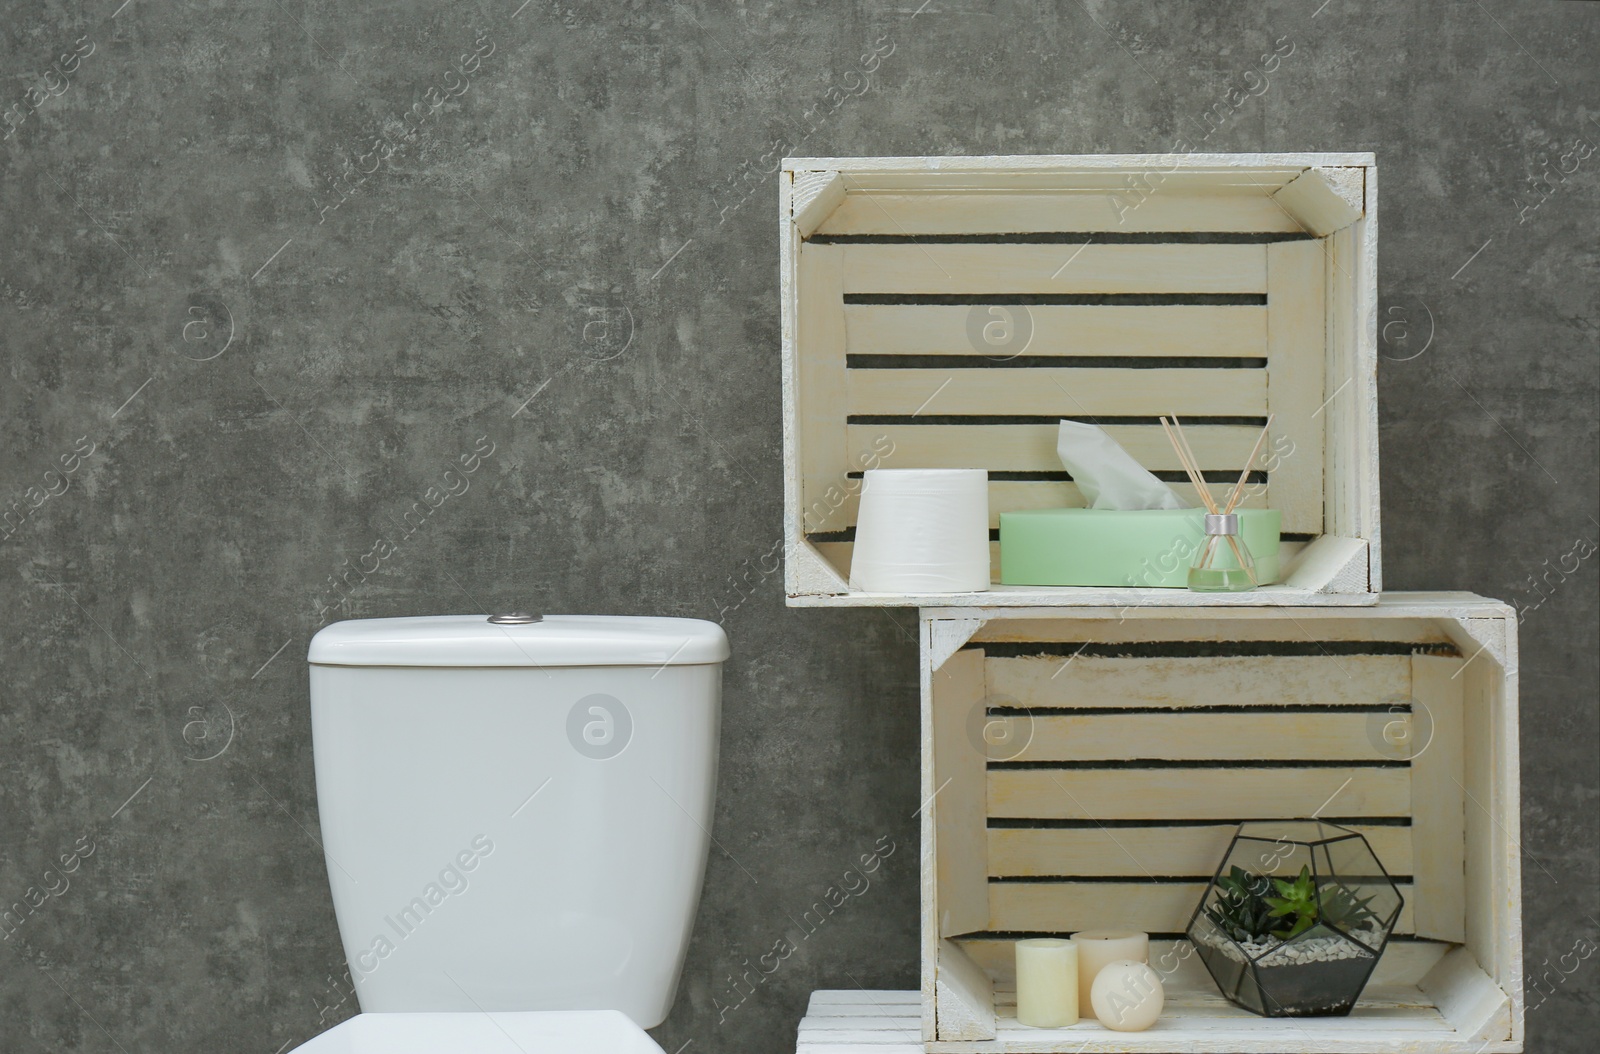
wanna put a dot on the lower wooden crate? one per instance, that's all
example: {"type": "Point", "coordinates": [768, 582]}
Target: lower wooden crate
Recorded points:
{"type": "Point", "coordinates": [1084, 769]}
{"type": "Point", "coordinates": [1402, 1020]}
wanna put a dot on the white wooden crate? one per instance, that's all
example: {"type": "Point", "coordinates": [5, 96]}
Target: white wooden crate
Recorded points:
{"type": "Point", "coordinates": [1147, 737]}
{"type": "Point", "coordinates": [1218, 287]}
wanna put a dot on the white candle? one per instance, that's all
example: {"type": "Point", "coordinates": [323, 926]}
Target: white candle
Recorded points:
{"type": "Point", "coordinates": [1127, 996]}
{"type": "Point", "coordinates": [1097, 948]}
{"type": "Point", "coordinates": [1047, 983]}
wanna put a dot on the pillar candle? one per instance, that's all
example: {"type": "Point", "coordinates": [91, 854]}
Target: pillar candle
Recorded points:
{"type": "Point", "coordinates": [1097, 948]}
{"type": "Point", "coordinates": [1047, 983]}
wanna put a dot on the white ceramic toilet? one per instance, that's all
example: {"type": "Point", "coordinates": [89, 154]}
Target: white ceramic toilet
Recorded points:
{"type": "Point", "coordinates": [515, 813]}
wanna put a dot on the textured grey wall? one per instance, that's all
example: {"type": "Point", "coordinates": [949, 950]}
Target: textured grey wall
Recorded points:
{"type": "Point", "coordinates": [249, 386]}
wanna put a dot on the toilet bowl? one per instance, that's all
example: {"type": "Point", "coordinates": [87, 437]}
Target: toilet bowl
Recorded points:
{"type": "Point", "coordinates": [515, 816]}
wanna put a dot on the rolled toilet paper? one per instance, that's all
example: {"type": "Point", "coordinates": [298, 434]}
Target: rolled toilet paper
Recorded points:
{"type": "Point", "coordinates": [922, 531]}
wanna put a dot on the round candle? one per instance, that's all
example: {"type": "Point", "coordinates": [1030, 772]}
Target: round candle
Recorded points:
{"type": "Point", "coordinates": [1097, 948]}
{"type": "Point", "coordinates": [1127, 996]}
{"type": "Point", "coordinates": [1047, 983]}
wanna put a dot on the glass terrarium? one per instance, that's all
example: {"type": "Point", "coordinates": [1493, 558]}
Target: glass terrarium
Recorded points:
{"type": "Point", "coordinates": [1295, 918]}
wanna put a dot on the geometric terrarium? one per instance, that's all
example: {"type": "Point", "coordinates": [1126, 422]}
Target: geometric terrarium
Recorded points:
{"type": "Point", "coordinates": [1295, 918]}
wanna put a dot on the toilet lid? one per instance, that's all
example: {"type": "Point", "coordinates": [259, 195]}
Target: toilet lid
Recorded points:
{"type": "Point", "coordinates": [530, 1032]}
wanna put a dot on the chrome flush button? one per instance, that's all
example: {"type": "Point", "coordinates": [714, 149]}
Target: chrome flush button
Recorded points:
{"type": "Point", "coordinates": [515, 618]}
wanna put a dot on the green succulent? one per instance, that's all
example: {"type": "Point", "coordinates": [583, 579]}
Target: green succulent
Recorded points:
{"type": "Point", "coordinates": [1241, 910]}
{"type": "Point", "coordinates": [1344, 909]}
{"type": "Point", "coordinates": [1302, 904]}
{"type": "Point", "coordinates": [1296, 903]}
{"type": "Point", "coordinates": [1246, 911]}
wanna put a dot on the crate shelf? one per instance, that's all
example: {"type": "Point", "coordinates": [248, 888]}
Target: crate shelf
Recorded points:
{"type": "Point", "coordinates": [1218, 287]}
{"type": "Point", "coordinates": [1084, 768]}
{"type": "Point", "coordinates": [1396, 1019]}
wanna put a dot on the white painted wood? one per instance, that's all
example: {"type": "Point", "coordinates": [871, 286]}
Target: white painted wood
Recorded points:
{"type": "Point", "coordinates": [1184, 976]}
{"type": "Point", "coordinates": [958, 797]}
{"type": "Point", "coordinates": [1032, 448]}
{"type": "Point", "coordinates": [1421, 617]}
{"type": "Point", "coordinates": [1243, 737]}
{"type": "Point", "coordinates": [1061, 268]}
{"type": "Point", "coordinates": [1193, 331]}
{"type": "Point", "coordinates": [1243, 680]}
{"type": "Point", "coordinates": [1462, 866]}
{"type": "Point", "coordinates": [1469, 998]}
{"type": "Point", "coordinates": [1015, 496]}
{"type": "Point", "coordinates": [1196, 794]}
{"type": "Point", "coordinates": [1073, 392]}
{"type": "Point", "coordinates": [947, 636]}
{"type": "Point", "coordinates": [1128, 205]}
{"type": "Point", "coordinates": [964, 997]}
{"type": "Point", "coordinates": [1180, 193]}
{"type": "Point", "coordinates": [928, 925]}
{"type": "Point", "coordinates": [805, 571]}
{"type": "Point", "coordinates": [1324, 200]}
{"type": "Point", "coordinates": [1145, 852]}
{"type": "Point", "coordinates": [1330, 565]}
{"type": "Point", "coordinates": [1293, 457]}
{"type": "Point", "coordinates": [816, 196]}
{"type": "Point", "coordinates": [999, 596]}
{"type": "Point", "coordinates": [1350, 411]}
{"type": "Point", "coordinates": [1439, 797]}
{"type": "Point", "coordinates": [824, 459]}
{"type": "Point", "coordinates": [1363, 369]}
{"type": "Point", "coordinates": [1389, 1020]}
{"type": "Point", "coordinates": [1066, 907]}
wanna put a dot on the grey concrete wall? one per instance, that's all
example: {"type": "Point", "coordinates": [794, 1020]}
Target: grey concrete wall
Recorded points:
{"type": "Point", "coordinates": [575, 257]}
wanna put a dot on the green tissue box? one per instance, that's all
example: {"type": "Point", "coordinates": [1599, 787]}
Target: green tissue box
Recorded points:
{"type": "Point", "coordinates": [1116, 547]}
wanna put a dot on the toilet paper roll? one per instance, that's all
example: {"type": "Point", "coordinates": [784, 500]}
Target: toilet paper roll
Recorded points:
{"type": "Point", "coordinates": [922, 531]}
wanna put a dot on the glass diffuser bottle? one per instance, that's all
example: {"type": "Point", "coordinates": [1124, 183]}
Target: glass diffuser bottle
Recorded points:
{"type": "Point", "coordinates": [1222, 562]}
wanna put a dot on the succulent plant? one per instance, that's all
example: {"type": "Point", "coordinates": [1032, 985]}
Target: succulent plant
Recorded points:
{"type": "Point", "coordinates": [1241, 911]}
{"type": "Point", "coordinates": [1246, 911]}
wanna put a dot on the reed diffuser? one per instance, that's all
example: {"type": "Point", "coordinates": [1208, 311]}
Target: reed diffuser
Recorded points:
{"type": "Point", "coordinates": [1211, 571]}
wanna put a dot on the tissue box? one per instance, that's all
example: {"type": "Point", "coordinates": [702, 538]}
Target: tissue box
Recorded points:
{"type": "Point", "coordinates": [1114, 547]}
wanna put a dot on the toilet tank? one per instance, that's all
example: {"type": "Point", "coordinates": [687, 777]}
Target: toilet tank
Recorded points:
{"type": "Point", "coordinates": [516, 816]}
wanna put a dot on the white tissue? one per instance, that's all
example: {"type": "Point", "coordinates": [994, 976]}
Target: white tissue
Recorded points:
{"type": "Point", "coordinates": [1107, 475]}
{"type": "Point", "coordinates": [922, 531]}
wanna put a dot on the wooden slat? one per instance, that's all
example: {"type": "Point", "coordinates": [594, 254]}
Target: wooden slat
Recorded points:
{"type": "Point", "coordinates": [1404, 963]}
{"type": "Point", "coordinates": [1066, 907]}
{"type": "Point", "coordinates": [1032, 448]}
{"type": "Point", "coordinates": [1437, 779]}
{"type": "Point", "coordinates": [1246, 680]}
{"type": "Point", "coordinates": [1060, 392]}
{"type": "Point", "coordinates": [1198, 794]}
{"type": "Point", "coordinates": [821, 389]}
{"type": "Point", "coordinates": [1417, 625]}
{"type": "Point", "coordinates": [969, 268]}
{"type": "Point", "coordinates": [1323, 200]}
{"type": "Point", "coordinates": [964, 996]}
{"type": "Point", "coordinates": [1012, 175]}
{"type": "Point", "coordinates": [1142, 852]}
{"type": "Point", "coordinates": [1280, 736]}
{"type": "Point", "coordinates": [1057, 329]}
{"type": "Point", "coordinates": [1388, 1019]}
{"type": "Point", "coordinates": [1295, 369]}
{"type": "Point", "coordinates": [957, 690]}
{"type": "Point", "coordinates": [1155, 203]}
{"type": "Point", "coordinates": [1468, 998]}
{"type": "Point", "coordinates": [1016, 496]}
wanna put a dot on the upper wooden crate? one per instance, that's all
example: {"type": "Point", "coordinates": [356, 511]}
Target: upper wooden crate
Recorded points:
{"type": "Point", "coordinates": [946, 312]}
{"type": "Point", "coordinates": [1085, 770]}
